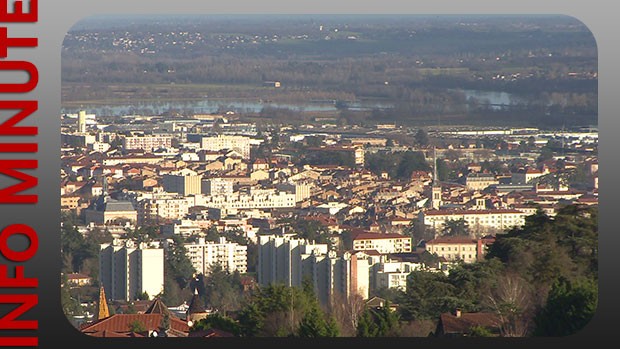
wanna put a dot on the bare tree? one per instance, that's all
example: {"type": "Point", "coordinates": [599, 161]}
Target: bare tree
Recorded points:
{"type": "Point", "coordinates": [347, 312]}
{"type": "Point", "coordinates": [512, 301]}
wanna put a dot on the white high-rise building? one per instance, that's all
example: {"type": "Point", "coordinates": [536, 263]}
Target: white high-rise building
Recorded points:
{"type": "Point", "coordinates": [229, 255]}
{"type": "Point", "coordinates": [338, 278]}
{"type": "Point", "coordinates": [280, 258]}
{"type": "Point", "coordinates": [81, 121]}
{"type": "Point", "coordinates": [286, 260]}
{"type": "Point", "coordinates": [126, 270]}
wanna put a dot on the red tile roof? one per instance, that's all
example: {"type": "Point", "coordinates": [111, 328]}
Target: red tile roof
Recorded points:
{"type": "Point", "coordinates": [452, 240]}
{"type": "Point", "coordinates": [121, 323]}
{"type": "Point", "coordinates": [451, 324]}
{"type": "Point", "coordinates": [460, 212]}
{"type": "Point", "coordinates": [371, 236]}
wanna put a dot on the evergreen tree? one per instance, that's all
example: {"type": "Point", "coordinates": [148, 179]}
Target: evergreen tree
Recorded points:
{"type": "Point", "coordinates": [421, 137]}
{"type": "Point", "coordinates": [250, 320]}
{"type": "Point", "coordinates": [180, 267]}
{"type": "Point", "coordinates": [217, 321]}
{"type": "Point", "coordinates": [569, 308]}
{"type": "Point", "coordinates": [378, 322]}
{"type": "Point", "coordinates": [455, 227]}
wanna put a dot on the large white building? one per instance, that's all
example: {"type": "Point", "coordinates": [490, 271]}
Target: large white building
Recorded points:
{"type": "Point", "coordinates": [457, 248]}
{"type": "Point", "coordinates": [501, 219]}
{"type": "Point", "coordinates": [156, 209]}
{"type": "Point", "coordinates": [525, 176]}
{"type": "Point", "coordinates": [383, 243]}
{"type": "Point", "coordinates": [240, 144]}
{"type": "Point", "coordinates": [284, 259]}
{"type": "Point", "coordinates": [338, 278]}
{"type": "Point", "coordinates": [217, 186]}
{"type": "Point", "coordinates": [127, 270]}
{"type": "Point", "coordinates": [479, 181]}
{"type": "Point", "coordinates": [256, 199]}
{"type": "Point", "coordinates": [184, 227]}
{"type": "Point", "coordinates": [229, 255]}
{"type": "Point", "coordinates": [146, 142]}
{"type": "Point", "coordinates": [391, 274]}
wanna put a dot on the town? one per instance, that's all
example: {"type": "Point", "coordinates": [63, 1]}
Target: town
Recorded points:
{"type": "Point", "coordinates": [310, 176]}
{"type": "Point", "coordinates": [354, 210]}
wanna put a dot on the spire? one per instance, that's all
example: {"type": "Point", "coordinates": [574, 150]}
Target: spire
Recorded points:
{"type": "Point", "coordinates": [103, 305]}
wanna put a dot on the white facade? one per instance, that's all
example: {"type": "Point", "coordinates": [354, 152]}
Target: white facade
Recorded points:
{"type": "Point", "coordinates": [229, 255]}
{"type": "Point", "coordinates": [217, 186]}
{"type": "Point", "coordinates": [383, 243]}
{"type": "Point", "coordinates": [126, 271]}
{"type": "Point", "coordinates": [392, 274]}
{"type": "Point", "coordinates": [479, 181]}
{"type": "Point", "coordinates": [526, 176]}
{"type": "Point", "coordinates": [240, 144]}
{"type": "Point", "coordinates": [99, 147]}
{"type": "Point", "coordinates": [161, 208]}
{"type": "Point", "coordinates": [264, 199]}
{"type": "Point", "coordinates": [183, 227]}
{"type": "Point", "coordinates": [146, 142]}
{"type": "Point", "coordinates": [81, 121]}
{"type": "Point", "coordinates": [456, 248]}
{"type": "Point", "coordinates": [280, 259]}
{"type": "Point", "coordinates": [287, 260]}
{"type": "Point", "coordinates": [497, 218]}
{"type": "Point", "coordinates": [337, 278]}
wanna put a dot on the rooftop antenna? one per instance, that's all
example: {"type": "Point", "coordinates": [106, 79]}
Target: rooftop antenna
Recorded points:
{"type": "Point", "coordinates": [562, 134]}
{"type": "Point", "coordinates": [435, 179]}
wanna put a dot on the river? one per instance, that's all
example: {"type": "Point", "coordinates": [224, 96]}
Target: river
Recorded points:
{"type": "Point", "coordinates": [210, 106]}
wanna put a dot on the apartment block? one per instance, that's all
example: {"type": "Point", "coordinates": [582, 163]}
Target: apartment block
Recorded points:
{"type": "Point", "coordinates": [229, 255]}
{"type": "Point", "coordinates": [127, 270]}
{"type": "Point", "coordinates": [240, 144]}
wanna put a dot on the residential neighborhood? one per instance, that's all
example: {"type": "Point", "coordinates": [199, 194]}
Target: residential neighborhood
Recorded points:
{"type": "Point", "coordinates": [282, 218]}
{"type": "Point", "coordinates": [329, 176]}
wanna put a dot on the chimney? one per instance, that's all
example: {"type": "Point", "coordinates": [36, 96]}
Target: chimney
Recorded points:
{"type": "Point", "coordinates": [457, 313]}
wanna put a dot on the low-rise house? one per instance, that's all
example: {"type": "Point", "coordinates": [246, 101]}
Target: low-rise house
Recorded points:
{"type": "Point", "coordinates": [460, 324]}
{"type": "Point", "coordinates": [78, 279]}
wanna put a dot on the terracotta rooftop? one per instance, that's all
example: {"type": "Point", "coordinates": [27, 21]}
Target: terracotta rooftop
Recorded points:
{"type": "Point", "coordinates": [456, 325]}
{"type": "Point", "coordinates": [378, 236]}
{"type": "Point", "coordinates": [457, 212]}
{"type": "Point", "coordinates": [158, 307]}
{"type": "Point", "coordinates": [121, 323]}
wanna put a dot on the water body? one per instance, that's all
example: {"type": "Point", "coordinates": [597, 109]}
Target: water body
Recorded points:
{"type": "Point", "coordinates": [211, 106]}
{"type": "Point", "coordinates": [496, 99]}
